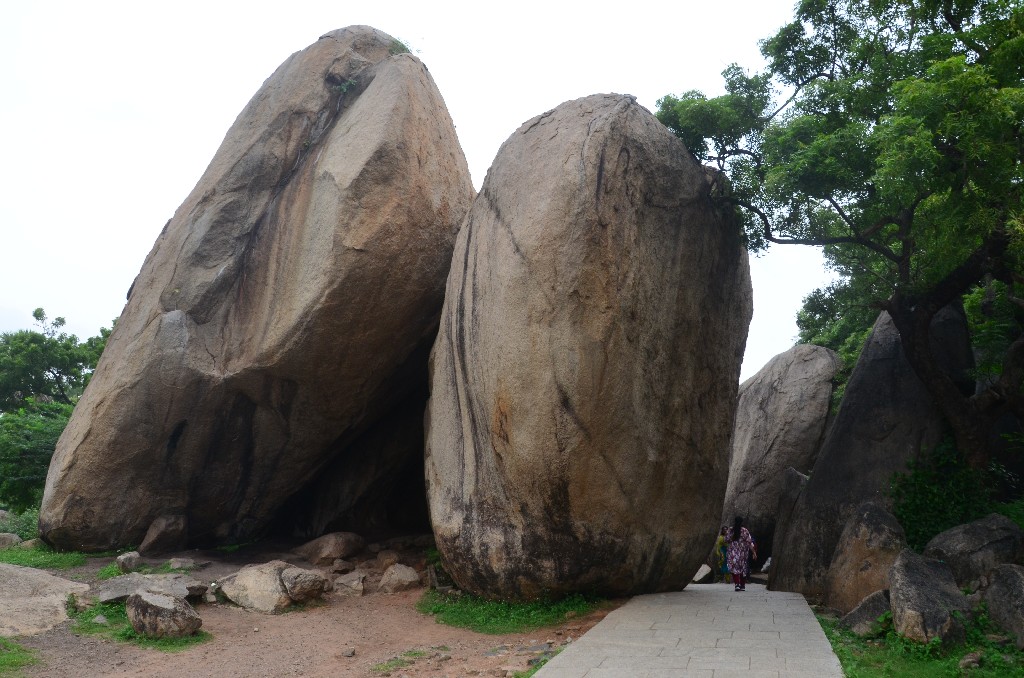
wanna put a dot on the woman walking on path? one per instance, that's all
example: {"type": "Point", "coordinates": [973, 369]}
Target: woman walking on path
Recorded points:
{"type": "Point", "coordinates": [741, 544]}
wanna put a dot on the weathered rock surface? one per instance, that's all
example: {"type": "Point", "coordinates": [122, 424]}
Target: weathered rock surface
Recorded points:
{"type": "Point", "coordinates": [972, 549]}
{"type": "Point", "coordinates": [924, 597]}
{"type": "Point", "coordinates": [9, 539]}
{"type": "Point", "coordinates": [32, 601]}
{"type": "Point", "coordinates": [885, 420]}
{"type": "Point", "coordinates": [351, 584]}
{"type": "Point", "coordinates": [287, 306]}
{"type": "Point", "coordinates": [397, 578]}
{"type": "Point", "coordinates": [330, 547]}
{"type": "Point", "coordinates": [863, 619]}
{"type": "Point", "coordinates": [174, 585]}
{"type": "Point", "coordinates": [867, 549]}
{"type": "Point", "coordinates": [1005, 599]}
{"type": "Point", "coordinates": [780, 423]}
{"type": "Point", "coordinates": [584, 378]}
{"type": "Point", "coordinates": [128, 562]}
{"type": "Point", "coordinates": [269, 587]}
{"type": "Point", "coordinates": [156, 615]}
{"type": "Point", "coordinates": [165, 534]}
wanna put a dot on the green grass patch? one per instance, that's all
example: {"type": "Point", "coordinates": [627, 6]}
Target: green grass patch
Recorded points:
{"type": "Point", "coordinates": [117, 627]}
{"type": "Point", "coordinates": [108, 572]}
{"type": "Point", "coordinates": [528, 673]}
{"type": "Point", "coordinates": [1014, 510]}
{"type": "Point", "coordinates": [41, 557]}
{"type": "Point", "coordinates": [390, 665]}
{"type": "Point", "coordinates": [14, 657]}
{"type": "Point", "coordinates": [887, 655]}
{"type": "Point", "coordinates": [497, 617]}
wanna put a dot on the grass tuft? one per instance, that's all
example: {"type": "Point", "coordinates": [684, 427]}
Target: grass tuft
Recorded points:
{"type": "Point", "coordinates": [498, 617]}
{"type": "Point", "coordinates": [886, 654]}
{"type": "Point", "coordinates": [119, 628]}
{"type": "Point", "coordinates": [42, 557]}
{"type": "Point", "coordinates": [14, 657]}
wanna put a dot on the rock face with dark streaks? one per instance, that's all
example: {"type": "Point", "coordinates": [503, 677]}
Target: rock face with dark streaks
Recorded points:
{"type": "Point", "coordinates": [885, 421]}
{"type": "Point", "coordinates": [286, 307]}
{"type": "Point", "coordinates": [584, 378]}
{"type": "Point", "coordinates": [780, 423]}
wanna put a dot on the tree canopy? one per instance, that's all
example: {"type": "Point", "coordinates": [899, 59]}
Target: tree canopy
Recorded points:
{"type": "Point", "coordinates": [889, 132]}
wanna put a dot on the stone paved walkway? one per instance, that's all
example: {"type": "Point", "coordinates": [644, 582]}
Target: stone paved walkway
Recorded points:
{"type": "Point", "coordinates": [706, 631]}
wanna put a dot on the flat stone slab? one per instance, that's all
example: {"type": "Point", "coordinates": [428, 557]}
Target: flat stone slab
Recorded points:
{"type": "Point", "coordinates": [32, 601]}
{"type": "Point", "coordinates": [707, 631]}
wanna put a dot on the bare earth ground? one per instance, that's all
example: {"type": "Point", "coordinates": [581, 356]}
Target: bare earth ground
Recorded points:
{"type": "Point", "coordinates": [308, 642]}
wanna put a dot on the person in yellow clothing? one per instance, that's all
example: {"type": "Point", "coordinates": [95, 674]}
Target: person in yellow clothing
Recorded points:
{"type": "Point", "coordinates": [719, 565]}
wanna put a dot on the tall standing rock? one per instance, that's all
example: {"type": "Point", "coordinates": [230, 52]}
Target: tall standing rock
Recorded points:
{"type": "Point", "coordinates": [885, 421]}
{"type": "Point", "coordinates": [288, 304]}
{"type": "Point", "coordinates": [780, 423]}
{"type": "Point", "coordinates": [584, 377]}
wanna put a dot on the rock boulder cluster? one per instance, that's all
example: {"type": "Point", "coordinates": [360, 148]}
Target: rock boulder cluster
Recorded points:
{"type": "Point", "coordinates": [269, 373]}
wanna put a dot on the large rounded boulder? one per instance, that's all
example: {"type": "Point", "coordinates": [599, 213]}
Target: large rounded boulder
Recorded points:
{"type": "Point", "coordinates": [288, 305]}
{"type": "Point", "coordinates": [584, 378]}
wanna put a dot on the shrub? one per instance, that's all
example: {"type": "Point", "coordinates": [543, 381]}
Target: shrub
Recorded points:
{"type": "Point", "coordinates": [24, 524]}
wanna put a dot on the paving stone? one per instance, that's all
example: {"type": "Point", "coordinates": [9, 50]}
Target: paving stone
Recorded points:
{"type": "Point", "coordinates": [703, 632]}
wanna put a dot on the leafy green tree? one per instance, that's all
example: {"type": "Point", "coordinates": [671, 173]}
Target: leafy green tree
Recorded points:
{"type": "Point", "coordinates": [46, 363]}
{"type": "Point", "coordinates": [888, 132]}
{"type": "Point", "coordinates": [28, 437]}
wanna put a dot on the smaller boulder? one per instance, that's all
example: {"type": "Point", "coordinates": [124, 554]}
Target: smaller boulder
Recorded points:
{"type": "Point", "coordinates": [182, 564]}
{"type": "Point", "coordinates": [9, 539]}
{"type": "Point", "coordinates": [972, 549]}
{"type": "Point", "coordinates": [258, 587]}
{"type": "Point", "coordinates": [156, 615]}
{"type": "Point", "coordinates": [1005, 599]}
{"type": "Point", "coordinates": [330, 547]}
{"type": "Point", "coordinates": [304, 585]}
{"type": "Point", "coordinates": [399, 578]}
{"type": "Point", "coordinates": [342, 566]}
{"type": "Point", "coordinates": [704, 575]}
{"type": "Point", "coordinates": [129, 562]}
{"type": "Point", "coordinates": [863, 619]}
{"type": "Point", "coordinates": [166, 533]}
{"type": "Point", "coordinates": [867, 548]}
{"type": "Point", "coordinates": [386, 559]}
{"type": "Point", "coordinates": [351, 584]}
{"type": "Point", "coordinates": [175, 585]}
{"type": "Point", "coordinates": [924, 597]}
{"type": "Point", "coordinates": [32, 543]}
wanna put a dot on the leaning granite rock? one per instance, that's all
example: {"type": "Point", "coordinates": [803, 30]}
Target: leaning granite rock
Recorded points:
{"type": "Point", "coordinates": [32, 601]}
{"type": "Point", "coordinates": [397, 578]}
{"type": "Point", "coordinates": [166, 533]}
{"type": "Point", "coordinates": [972, 549]}
{"type": "Point", "coordinates": [867, 549]}
{"type": "Point", "coordinates": [156, 615]}
{"type": "Point", "coordinates": [884, 422]}
{"type": "Point", "coordinates": [780, 423]}
{"type": "Point", "coordinates": [175, 585]}
{"type": "Point", "coordinates": [863, 619]}
{"type": "Point", "coordinates": [288, 305]}
{"type": "Point", "coordinates": [1005, 599]}
{"type": "Point", "coordinates": [272, 587]}
{"type": "Point", "coordinates": [330, 547]}
{"type": "Point", "coordinates": [924, 598]}
{"type": "Point", "coordinates": [584, 377]}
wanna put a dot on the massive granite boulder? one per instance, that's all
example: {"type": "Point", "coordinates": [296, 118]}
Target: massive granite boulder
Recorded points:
{"type": "Point", "coordinates": [584, 378]}
{"type": "Point", "coordinates": [780, 423]}
{"type": "Point", "coordinates": [886, 420]}
{"type": "Point", "coordinates": [974, 548]}
{"type": "Point", "coordinates": [287, 306]}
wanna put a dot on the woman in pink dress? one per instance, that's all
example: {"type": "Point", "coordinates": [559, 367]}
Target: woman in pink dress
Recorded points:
{"type": "Point", "coordinates": [741, 544]}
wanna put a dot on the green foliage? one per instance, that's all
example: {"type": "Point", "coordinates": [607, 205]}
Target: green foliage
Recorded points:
{"type": "Point", "coordinates": [28, 437]}
{"type": "Point", "coordinates": [14, 657]}
{"type": "Point", "coordinates": [890, 134]}
{"type": "Point", "coordinates": [119, 628]}
{"type": "Point", "coordinates": [46, 363]}
{"type": "Point", "coordinates": [24, 524]}
{"type": "Point", "coordinates": [497, 617]}
{"type": "Point", "coordinates": [399, 46]}
{"type": "Point", "coordinates": [42, 557]}
{"type": "Point", "coordinates": [886, 654]}
{"type": "Point", "coordinates": [1014, 510]}
{"type": "Point", "coordinates": [108, 572]}
{"type": "Point", "coordinates": [940, 491]}
{"type": "Point", "coordinates": [994, 321]}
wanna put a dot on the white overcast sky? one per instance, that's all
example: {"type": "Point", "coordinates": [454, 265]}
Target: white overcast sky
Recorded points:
{"type": "Point", "coordinates": [111, 111]}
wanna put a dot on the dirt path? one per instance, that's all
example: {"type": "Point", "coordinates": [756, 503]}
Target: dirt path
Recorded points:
{"type": "Point", "coordinates": [309, 642]}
